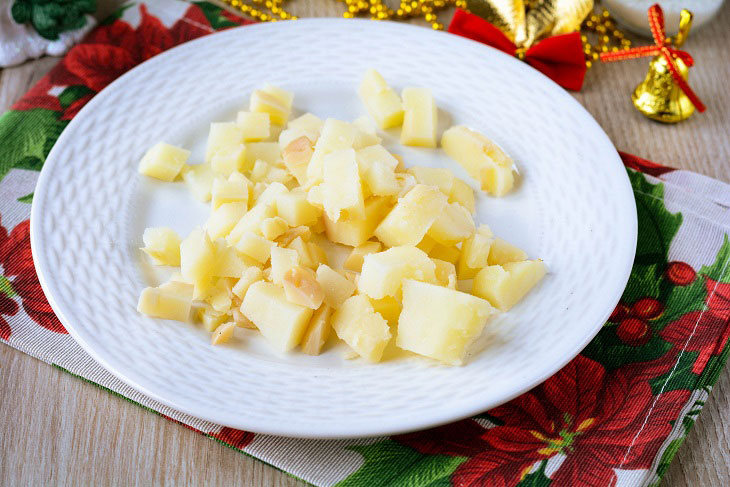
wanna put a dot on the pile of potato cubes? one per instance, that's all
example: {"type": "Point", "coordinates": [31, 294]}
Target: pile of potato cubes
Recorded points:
{"type": "Point", "coordinates": [284, 192]}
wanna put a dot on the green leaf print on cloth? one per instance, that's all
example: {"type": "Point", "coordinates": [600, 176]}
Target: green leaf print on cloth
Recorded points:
{"type": "Point", "coordinates": [26, 138]}
{"type": "Point", "coordinates": [50, 18]}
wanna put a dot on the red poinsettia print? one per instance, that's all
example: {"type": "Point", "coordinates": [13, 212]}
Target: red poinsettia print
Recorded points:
{"type": "Point", "coordinates": [600, 421]}
{"type": "Point", "coordinates": [18, 274]}
{"type": "Point", "coordinates": [233, 437]}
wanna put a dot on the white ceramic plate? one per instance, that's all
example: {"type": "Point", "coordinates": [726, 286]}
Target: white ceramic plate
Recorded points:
{"type": "Point", "coordinates": [573, 207]}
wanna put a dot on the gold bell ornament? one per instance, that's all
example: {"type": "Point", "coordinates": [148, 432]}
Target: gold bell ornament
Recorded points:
{"type": "Point", "coordinates": [664, 95]}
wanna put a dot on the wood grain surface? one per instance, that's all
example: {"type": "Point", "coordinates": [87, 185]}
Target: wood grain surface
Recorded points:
{"type": "Point", "coordinates": [58, 430]}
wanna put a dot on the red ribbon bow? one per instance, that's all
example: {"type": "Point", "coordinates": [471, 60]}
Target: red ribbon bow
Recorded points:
{"type": "Point", "coordinates": [660, 48]}
{"type": "Point", "coordinates": [558, 57]}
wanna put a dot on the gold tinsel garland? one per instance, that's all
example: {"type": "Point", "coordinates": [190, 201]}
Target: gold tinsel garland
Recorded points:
{"type": "Point", "coordinates": [599, 31]}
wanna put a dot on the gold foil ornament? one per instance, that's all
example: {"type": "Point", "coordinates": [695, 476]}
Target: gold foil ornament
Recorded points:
{"type": "Point", "coordinates": [659, 97]}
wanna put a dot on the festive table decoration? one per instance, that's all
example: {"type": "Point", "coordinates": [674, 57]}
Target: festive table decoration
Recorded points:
{"type": "Point", "coordinates": [664, 95]}
{"type": "Point", "coordinates": [631, 14]}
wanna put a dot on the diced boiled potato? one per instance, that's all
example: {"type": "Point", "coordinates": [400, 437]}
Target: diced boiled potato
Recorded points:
{"type": "Point", "coordinates": [366, 133]}
{"type": "Point", "coordinates": [438, 322]}
{"type": "Point", "coordinates": [254, 125]}
{"type": "Point", "coordinates": [454, 225]}
{"type": "Point", "coordinates": [351, 276]}
{"type": "Point", "coordinates": [383, 272]}
{"type": "Point", "coordinates": [377, 168]}
{"type": "Point", "coordinates": [355, 231]}
{"type": "Point", "coordinates": [444, 252]}
{"type": "Point", "coordinates": [272, 228]}
{"type": "Point", "coordinates": [336, 135]}
{"type": "Point", "coordinates": [281, 322]}
{"type": "Point", "coordinates": [426, 244]}
{"type": "Point", "coordinates": [388, 307]}
{"type": "Point", "coordinates": [199, 178]}
{"type": "Point", "coordinates": [355, 259]}
{"type": "Point", "coordinates": [197, 260]}
{"type": "Point", "coordinates": [463, 194]}
{"type": "Point", "coordinates": [269, 152]}
{"type": "Point", "coordinates": [336, 287]}
{"type": "Point", "coordinates": [228, 160]}
{"type": "Point", "coordinates": [301, 287]}
{"type": "Point", "coordinates": [223, 136]}
{"type": "Point", "coordinates": [406, 182]}
{"type": "Point", "coordinates": [227, 261]}
{"type": "Point", "coordinates": [442, 178]}
{"type": "Point", "coordinates": [412, 216]}
{"type": "Point", "coordinates": [318, 331]}
{"type": "Point", "coordinates": [224, 218]}
{"type": "Point", "coordinates": [162, 244]}
{"type": "Point", "coordinates": [309, 123]}
{"type": "Point", "coordinates": [483, 159]}
{"type": "Point", "coordinates": [264, 208]}
{"type": "Point", "coordinates": [288, 136]}
{"type": "Point", "coordinates": [294, 208]}
{"type": "Point", "coordinates": [342, 190]}
{"type": "Point", "coordinates": [296, 155]}
{"type": "Point", "coordinates": [302, 249]}
{"type": "Point", "coordinates": [315, 196]}
{"type": "Point", "coordinates": [502, 252]}
{"type": "Point", "coordinates": [290, 235]}
{"type": "Point", "coordinates": [235, 189]}
{"type": "Point", "coordinates": [274, 101]}
{"type": "Point", "coordinates": [445, 273]}
{"type": "Point", "coordinates": [420, 118]}
{"type": "Point", "coordinates": [318, 226]}
{"type": "Point", "coordinates": [381, 102]}
{"type": "Point", "coordinates": [255, 247]}
{"type": "Point", "coordinates": [504, 286]}
{"type": "Point", "coordinates": [259, 171]}
{"type": "Point", "coordinates": [474, 255]}
{"type": "Point", "coordinates": [278, 175]}
{"type": "Point", "coordinates": [163, 161]}
{"type": "Point", "coordinates": [211, 318]}
{"type": "Point", "coordinates": [170, 302]}
{"type": "Point", "coordinates": [248, 277]}
{"type": "Point", "coordinates": [223, 333]}
{"type": "Point", "coordinates": [219, 296]}
{"type": "Point", "coordinates": [364, 330]}
{"type": "Point", "coordinates": [281, 261]}
{"type": "Point", "coordinates": [317, 255]}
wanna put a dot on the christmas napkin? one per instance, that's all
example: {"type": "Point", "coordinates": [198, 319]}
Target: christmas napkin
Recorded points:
{"type": "Point", "coordinates": [615, 415]}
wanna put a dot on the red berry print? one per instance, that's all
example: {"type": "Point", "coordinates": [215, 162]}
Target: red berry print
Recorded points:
{"type": "Point", "coordinates": [680, 273]}
{"type": "Point", "coordinates": [634, 332]}
{"type": "Point", "coordinates": [647, 308]}
{"type": "Point", "coordinates": [619, 313]}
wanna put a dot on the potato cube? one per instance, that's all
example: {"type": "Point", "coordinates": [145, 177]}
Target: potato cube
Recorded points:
{"type": "Point", "coordinates": [281, 322]}
{"type": "Point", "coordinates": [443, 179]}
{"type": "Point", "coordinates": [163, 161]}
{"type": "Point", "coordinates": [383, 272]}
{"type": "Point", "coordinates": [197, 260]}
{"type": "Point", "coordinates": [269, 152]}
{"type": "Point", "coordinates": [444, 252]}
{"type": "Point", "coordinates": [235, 189]}
{"type": "Point", "coordinates": [199, 178]}
{"type": "Point", "coordinates": [309, 123]}
{"type": "Point", "coordinates": [211, 318]}
{"type": "Point", "coordinates": [484, 160]}
{"type": "Point", "coordinates": [223, 333]}
{"type": "Point", "coordinates": [381, 102]}
{"type": "Point", "coordinates": [171, 302]}
{"type": "Point", "coordinates": [474, 255]}
{"type": "Point", "coordinates": [317, 254]}
{"type": "Point", "coordinates": [251, 222]}
{"type": "Point", "coordinates": [254, 125]}
{"type": "Point", "coordinates": [336, 135]}
{"type": "Point", "coordinates": [227, 261]}
{"type": "Point", "coordinates": [228, 160]}
{"type": "Point", "coordinates": [296, 155]}
{"type": "Point", "coordinates": [290, 235]}
{"type": "Point", "coordinates": [502, 252]}
{"type": "Point", "coordinates": [388, 307]}
{"type": "Point", "coordinates": [463, 194]}
{"type": "Point", "coordinates": [366, 133]}
{"type": "Point", "coordinates": [355, 259]}
{"type": "Point", "coordinates": [274, 101]}
{"type": "Point", "coordinates": [336, 287]}
{"type": "Point", "coordinates": [318, 331]}
{"type": "Point", "coordinates": [355, 231]}
{"type": "Point", "coordinates": [248, 277]}
{"type": "Point", "coordinates": [278, 175]}
{"type": "Point", "coordinates": [342, 190]}
{"type": "Point", "coordinates": [224, 218]}
{"type": "Point", "coordinates": [453, 225]}
{"type": "Point", "coordinates": [255, 247]}
{"type": "Point", "coordinates": [162, 244]}
{"type": "Point", "coordinates": [438, 322]}
{"type": "Point", "coordinates": [420, 118]}
{"type": "Point", "coordinates": [364, 330]}
{"type": "Point", "coordinates": [302, 249]}
{"type": "Point", "coordinates": [445, 273]}
{"type": "Point", "coordinates": [412, 216]}
{"type": "Point", "coordinates": [377, 167]}
{"type": "Point", "coordinates": [223, 136]}
{"type": "Point", "coordinates": [272, 228]}
{"type": "Point", "coordinates": [281, 261]}
{"type": "Point", "coordinates": [219, 296]}
{"type": "Point", "coordinates": [259, 171]}
{"type": "Point", "coordinates": [301, 287]}
{"type": "Point", "coordinates": [504, 286]}
{"type": "Point", "coordinates": [406, 182]}
{"type": "Point", "coordinates": [294, 208]}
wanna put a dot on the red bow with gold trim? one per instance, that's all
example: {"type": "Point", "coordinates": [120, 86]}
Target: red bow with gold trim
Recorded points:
{"type": "Point", "coordinates": [559, 57]}
{"type": "Point", "coordinates": [662, 47]}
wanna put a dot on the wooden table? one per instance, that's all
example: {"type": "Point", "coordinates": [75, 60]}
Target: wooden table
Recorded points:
{"type": "Point", "coordinates": [58, 430]}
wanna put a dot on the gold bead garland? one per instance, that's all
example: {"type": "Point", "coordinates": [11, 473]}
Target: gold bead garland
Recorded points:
{"type": "Point", "coordinates": [607, 37]}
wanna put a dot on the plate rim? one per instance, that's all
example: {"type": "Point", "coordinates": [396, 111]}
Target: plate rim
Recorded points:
{"type": "Point", "coordinates": [353, 430]}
